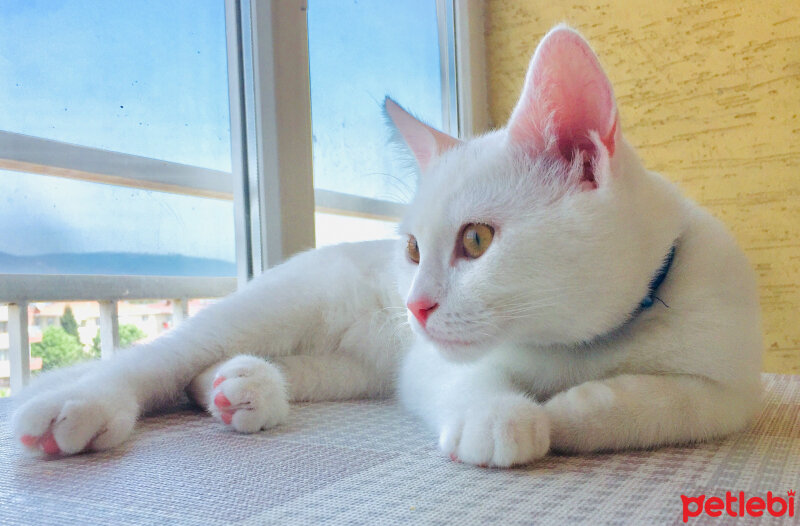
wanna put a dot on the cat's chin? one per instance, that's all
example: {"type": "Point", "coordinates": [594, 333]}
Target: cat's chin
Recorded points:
{"type": "Point", "coordinates": [456, 350]}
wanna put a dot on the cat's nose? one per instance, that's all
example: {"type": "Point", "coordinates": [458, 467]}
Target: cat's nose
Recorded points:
{"type": "Point", "coordinates": [421, 309]}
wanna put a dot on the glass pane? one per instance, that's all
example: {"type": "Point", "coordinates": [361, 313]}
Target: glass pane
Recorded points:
{"type": "Point", "coordinates": [359, 53]}
{"type": "Point", "coordinates": [332, 229]}
{"type": "Point", "coordinates": [51, 225]}
{"type": "Point", "coordinates": [146, 77]}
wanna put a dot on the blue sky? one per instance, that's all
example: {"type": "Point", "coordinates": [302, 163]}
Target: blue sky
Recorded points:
{"type": "Point", "coordinates": [149, 78]}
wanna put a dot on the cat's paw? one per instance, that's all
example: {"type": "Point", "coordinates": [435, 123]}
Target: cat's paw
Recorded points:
{"type": "Point", "coordinates": [249, 394]}
{"type": "Point", "coordinates": [504, 431]}
{"type": "Point", "coordinates": [71, 420]}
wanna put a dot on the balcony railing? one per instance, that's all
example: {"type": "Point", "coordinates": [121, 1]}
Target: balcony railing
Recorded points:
{"type": "Point", "coordinates": [18, 290]}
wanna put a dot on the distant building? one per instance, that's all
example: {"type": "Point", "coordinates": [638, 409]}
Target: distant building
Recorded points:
{"type": "Point", "coordinates": [151, 318]}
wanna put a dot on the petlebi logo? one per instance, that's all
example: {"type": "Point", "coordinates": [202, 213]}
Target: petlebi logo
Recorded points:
{"type": "Point", "coordinates": [739, 505]}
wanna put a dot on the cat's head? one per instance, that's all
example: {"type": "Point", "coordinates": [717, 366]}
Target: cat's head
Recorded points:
{"type": "Point", "coordinates": [546, 231]}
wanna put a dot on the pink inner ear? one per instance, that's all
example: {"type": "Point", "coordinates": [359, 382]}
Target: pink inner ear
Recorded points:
{"type": "Point", "coordinates": [566, 96]}
{"type": "Point", "coordinates": [425, 142]}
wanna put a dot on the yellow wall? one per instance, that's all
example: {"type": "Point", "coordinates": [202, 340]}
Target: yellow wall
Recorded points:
{"type": "Point", "coordinates": [709, 92]}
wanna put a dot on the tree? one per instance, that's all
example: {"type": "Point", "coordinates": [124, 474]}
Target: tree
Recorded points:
{"type": "Point", "coordinates": [68, 322]}
{"type": "Point", "coordinates": [58, 348]}
{"type": "Point", "coordinates": [128, 335]}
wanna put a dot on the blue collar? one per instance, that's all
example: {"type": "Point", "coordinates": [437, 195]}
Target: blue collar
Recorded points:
{"type": "Point", "coordinates": [656, 282]}
{"type": "Point", "coordinates": [646, 302]}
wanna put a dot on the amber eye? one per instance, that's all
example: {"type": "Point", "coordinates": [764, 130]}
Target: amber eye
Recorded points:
{"type": "Point", "coordinates": [413, 249]}
{"type": "Point", "coordinates": [475, 239]}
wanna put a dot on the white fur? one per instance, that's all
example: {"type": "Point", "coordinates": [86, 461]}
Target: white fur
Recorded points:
{"type": "Point", "coordinates": [255, 388]}
{"type": "Point", "coordinates": [537, 359]}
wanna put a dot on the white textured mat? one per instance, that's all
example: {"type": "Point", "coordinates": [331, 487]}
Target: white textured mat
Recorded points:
{"type": "Point", "coordinates": [367, 462]}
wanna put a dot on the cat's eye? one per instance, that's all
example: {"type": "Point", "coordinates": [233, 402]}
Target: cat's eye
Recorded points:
{"type": "Point", "coordinates": [475, 239]}
{"type": "Point", "coordinates": [413, 249]}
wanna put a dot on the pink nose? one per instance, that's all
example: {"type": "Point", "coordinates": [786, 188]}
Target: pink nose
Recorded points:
{"type": "Point", "coordinates": [421, 309]}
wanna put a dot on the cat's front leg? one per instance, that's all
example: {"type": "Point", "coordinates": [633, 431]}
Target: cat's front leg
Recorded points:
{"type": "Point", "coordinates": [501, 430]}
{"type": "Point", "coordinates": [73, 410]}
{"type": "Point", "coordinates": [247, 393]}
{"type": "Point", "coordinates": [639, 411]}
{"type": "Point", "coordinates": [480, 417]}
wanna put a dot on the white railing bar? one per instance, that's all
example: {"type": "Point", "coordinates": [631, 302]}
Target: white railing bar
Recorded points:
{"type": "Point", "coordinates": [109, 329]}
{"type": "Point", "coordinates": [19, 348]}
{"type": "Point", "coordinates": [180, 311]}
{"type": "Point", "coordinates": [15, 288]}
{"type": "Point", "coordinates": [349, 204]}
{"type": "Point", "coordinates": [25, 153]}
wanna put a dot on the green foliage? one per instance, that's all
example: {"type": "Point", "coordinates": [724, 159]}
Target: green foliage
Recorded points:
{"type": "Point", "coordinates": [128, 335]}
{"type": "Point", "coordinates": [94, 350]}
{"type": "Point", "coordinates": [4, 392]}
{"type": "Point", "coordinates": [68, 322]}
{"type": "Point", "coordinates": [58, 348]}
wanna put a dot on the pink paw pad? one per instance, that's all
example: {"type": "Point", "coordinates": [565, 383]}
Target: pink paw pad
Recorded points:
{"type": "Point", "coordinates": [221, 400]}
{"type": "Point", "coordinates": [49, 444]}
{"type": "Point", "coordinates": [218, 380]}
{"type": "Point", "coordinates": [226, 417]}
{"type": "Point", "coordinates": [29, 440]}
{"type": "Point", "coordinates": [454, 458]}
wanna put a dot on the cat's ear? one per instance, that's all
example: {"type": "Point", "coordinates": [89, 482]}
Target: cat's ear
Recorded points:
{"type": "Point", "coordinates": [425, 142]}
{"type": "Point", "coordinates": [567, 101]}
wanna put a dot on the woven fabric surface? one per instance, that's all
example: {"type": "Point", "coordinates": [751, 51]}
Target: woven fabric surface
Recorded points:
{"type": "Point", "coordinates": [368, 462]}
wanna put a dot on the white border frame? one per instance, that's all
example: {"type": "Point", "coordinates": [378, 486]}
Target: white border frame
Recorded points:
{"type": "Point", "coordinates": [471, 78]}
{"type": "Point", "coordinates": [282, 113]}
{"type": "Point", "coordinates": [465, 111]}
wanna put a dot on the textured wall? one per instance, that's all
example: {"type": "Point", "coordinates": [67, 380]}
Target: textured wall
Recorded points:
{"type": "Point", "coordinates": [709, 92]}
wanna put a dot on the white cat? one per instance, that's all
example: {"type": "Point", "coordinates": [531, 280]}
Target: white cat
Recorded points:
{"type": "Point", "coordinates": [560, 297]}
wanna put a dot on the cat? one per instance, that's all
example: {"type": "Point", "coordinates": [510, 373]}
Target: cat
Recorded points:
{"type": "Point", "coordinates": [548, 293]}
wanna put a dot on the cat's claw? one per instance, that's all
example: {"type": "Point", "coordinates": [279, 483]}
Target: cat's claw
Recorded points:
{"type": "Point", "coordinates": [249, 394]}
{"type": "Point", "coordinates": [505, 431]}
{"type": "Point", "coordinates": [70, 421]}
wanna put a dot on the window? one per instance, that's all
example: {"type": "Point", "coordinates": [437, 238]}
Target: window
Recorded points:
{"type": "Point", "coordinates": [144, 151]}
{"type": "Point", "coordinates": [84, 94]}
